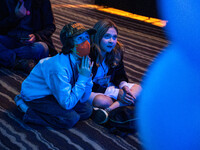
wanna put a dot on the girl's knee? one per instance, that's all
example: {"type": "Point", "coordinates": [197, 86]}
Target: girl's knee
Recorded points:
{"type": "Point", "coordinates": [136, 89]}
{"type": "Point", "coordinates": [102, 101]}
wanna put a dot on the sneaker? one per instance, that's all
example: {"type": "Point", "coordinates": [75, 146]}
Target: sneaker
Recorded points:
{"type": "Point", "coordinates": [20, 103]}
{"type": "Point", "coordinates": [25, 65]}
{"type": "Point", "coordinates": [99, 116]}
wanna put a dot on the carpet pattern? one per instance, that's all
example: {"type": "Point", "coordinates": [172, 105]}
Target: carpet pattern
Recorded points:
{"type": "Point", "coordinates": [143, 42]}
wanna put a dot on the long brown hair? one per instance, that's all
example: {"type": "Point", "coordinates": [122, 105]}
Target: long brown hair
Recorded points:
{"type": "Point", "coordinates": [114, 57]}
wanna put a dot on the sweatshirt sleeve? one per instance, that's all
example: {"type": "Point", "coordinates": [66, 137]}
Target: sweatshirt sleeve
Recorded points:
{"type": "Point", "coordinates": [7, 20]}
{"type": "Point", "coordinates": [48, 22]}
{"type": "Point", "coordinates": [119, 75]}
{"type": "Point", "coordinates": [66, 95]}
{"type": "Point", "coordinates": [88, 90]}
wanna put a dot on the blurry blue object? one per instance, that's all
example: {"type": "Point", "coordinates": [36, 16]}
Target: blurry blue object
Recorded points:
{"type": "Point", "coordinates": [169, 109]}
{"type": "Point", "coordinates": [183, 26]}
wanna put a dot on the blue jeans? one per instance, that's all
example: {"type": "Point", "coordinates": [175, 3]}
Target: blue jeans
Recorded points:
{"type": "Point", "coordinates": [47, 111]}
{"type": "Point", "coordinates": [11, 48]}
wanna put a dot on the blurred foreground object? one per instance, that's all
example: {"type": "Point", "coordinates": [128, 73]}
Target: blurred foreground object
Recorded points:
{"type": "Point", "coordinates": [170, 105]}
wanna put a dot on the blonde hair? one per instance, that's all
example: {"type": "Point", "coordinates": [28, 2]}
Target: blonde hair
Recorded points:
{"type": "Point", "coordinates": [114, 57]}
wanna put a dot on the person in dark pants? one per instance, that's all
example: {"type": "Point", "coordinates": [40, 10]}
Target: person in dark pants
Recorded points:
{"type": "Point", "coordinates": [56, 91]}
{"type": "Point", "coordinates": [26, 27]}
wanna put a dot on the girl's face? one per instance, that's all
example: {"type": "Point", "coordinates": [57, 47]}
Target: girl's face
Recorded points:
{"type": "Point", "coordinates": [109, 40]}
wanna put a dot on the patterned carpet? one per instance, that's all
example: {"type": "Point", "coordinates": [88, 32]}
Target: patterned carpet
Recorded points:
{"type": "Point", "coordinates": [142, 41]}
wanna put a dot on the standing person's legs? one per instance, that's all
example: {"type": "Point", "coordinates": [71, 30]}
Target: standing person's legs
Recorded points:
{"type": "Point", "coordinates": [47, 112]}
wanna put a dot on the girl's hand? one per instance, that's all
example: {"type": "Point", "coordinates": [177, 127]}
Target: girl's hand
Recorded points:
{"type": "Point", "coordinates": [85, 67]}
{"type": "Point", "coordinates": [125, 98]}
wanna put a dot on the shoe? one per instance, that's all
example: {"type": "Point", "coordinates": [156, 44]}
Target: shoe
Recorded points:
{"type": "Point", "coordinates": [25, 65]}
{"type": "Point", "coordinates": [20, 103]}
{"type": "Point", "coordinates": [99, 116]}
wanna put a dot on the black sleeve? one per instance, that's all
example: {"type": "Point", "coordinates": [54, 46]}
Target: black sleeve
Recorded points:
{"type": "Point", "coordinates": [97, 88]}
{"type": "Point", "coordinates": [7, 20]}
{"type": "Point", "coordinates": [119, 74]}
{"type": "Point", "coordinates": [48, 24]}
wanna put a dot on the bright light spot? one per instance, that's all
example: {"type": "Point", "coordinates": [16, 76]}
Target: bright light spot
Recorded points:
{"type": "Point", "coordinates": [153, 21]}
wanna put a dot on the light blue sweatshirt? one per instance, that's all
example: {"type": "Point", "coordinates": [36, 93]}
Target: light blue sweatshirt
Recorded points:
{"type": "Point", "coordinates": [54, 76]}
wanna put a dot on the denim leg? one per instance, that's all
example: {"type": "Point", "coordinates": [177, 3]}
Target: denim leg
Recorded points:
{"type": "Point", "coordinates": [7, 58]}
{"type": "Point", "coordinates": [47, 112]}
{"type": "Point", "coordinates": [7, 55]}
{"type": "Point", "coordinates": [84, 110]}
{"type": "Point", "coordinates": [9, 42]}
{"type": "Point", "coordinates": [36, 51]}
{"type": "Point", "coordinates": [40, 50]}
{"type": "Point", "coordinates": [11, 48]}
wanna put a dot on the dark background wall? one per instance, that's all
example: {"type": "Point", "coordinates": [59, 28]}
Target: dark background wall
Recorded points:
{"type": "Point", "coordinates": [141, 7]}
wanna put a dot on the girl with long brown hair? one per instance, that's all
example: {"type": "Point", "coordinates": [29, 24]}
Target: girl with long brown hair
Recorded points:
{"type": "Point", "coordinates": [111, 88]}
